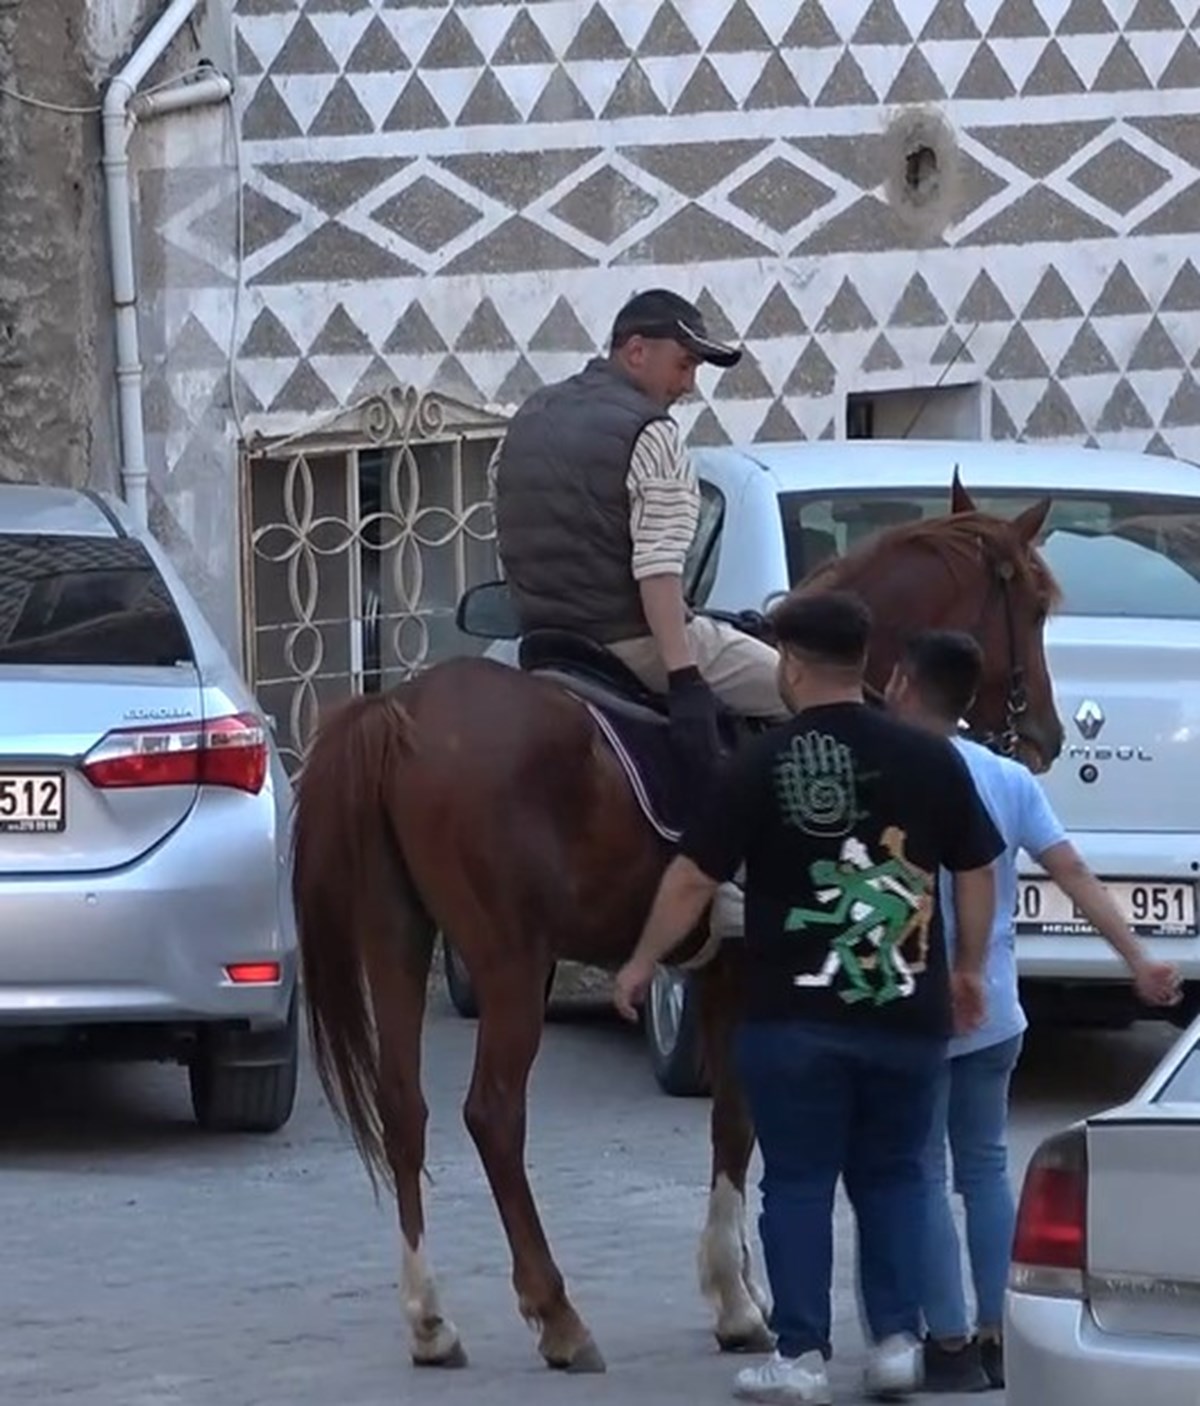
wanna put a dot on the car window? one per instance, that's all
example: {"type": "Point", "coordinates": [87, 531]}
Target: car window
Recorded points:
{"type": "Point", "coordinates": [86, 600]}
{"type": "Point", "coordinates": [1184, 1085]}
{"type": "Point", "coordinates": [700, 568]}
{"type": "Point", "coordinates": [1114, 554]}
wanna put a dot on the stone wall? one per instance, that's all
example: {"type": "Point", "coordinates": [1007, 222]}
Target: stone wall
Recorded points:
{"type": "Point", "coordinates": [55, 359]}
{"type": "Point", "coordinates": [57, 388]}
{"type": "Point", "coordinates": [874, 195]}
{"type": "Point", "coordinates": [461, 196]}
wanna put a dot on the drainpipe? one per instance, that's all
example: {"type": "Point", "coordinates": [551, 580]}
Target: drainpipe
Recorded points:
{"type": "Point", "coordinates": [120, 113]}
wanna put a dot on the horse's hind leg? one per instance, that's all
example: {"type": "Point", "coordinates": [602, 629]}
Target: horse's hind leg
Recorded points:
{"type": "Point", "coordinates": [398, 989]}
{"type": "Point", "coordinates": [726, 1277]}
{"type": "Point", "coordinates": [510, 1028]}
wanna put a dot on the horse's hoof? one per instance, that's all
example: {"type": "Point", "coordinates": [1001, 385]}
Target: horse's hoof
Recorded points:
{"type": "Point", "coordinates": [448, 1361]}
{"type": "Point", "coordinates": [752, 1340]}
{"type": "Point", "coordinates": [587, 1359]}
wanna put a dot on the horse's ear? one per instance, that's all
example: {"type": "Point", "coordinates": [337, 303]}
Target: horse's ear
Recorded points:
{"type": "Point", "coordinates": [1029, 523]}
{"type": "Point", "coordinates": [960, 499]}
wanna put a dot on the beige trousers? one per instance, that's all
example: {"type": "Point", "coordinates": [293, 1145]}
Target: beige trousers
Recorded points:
{"type": "Point", "coordinates": [741, 671]}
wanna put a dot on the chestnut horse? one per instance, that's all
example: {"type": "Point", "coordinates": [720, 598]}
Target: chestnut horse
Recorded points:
{"type": "Point", "coordinates": [483, 802]}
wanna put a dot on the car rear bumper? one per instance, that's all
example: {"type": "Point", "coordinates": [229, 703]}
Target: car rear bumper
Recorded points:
{"type": "Point", "coordinates": [150, 942]}
{"type": "Point", "coordinates": [1054, 1352]}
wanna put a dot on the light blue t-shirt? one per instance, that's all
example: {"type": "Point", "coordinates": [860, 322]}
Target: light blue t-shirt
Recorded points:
{"type": "Point", "coordinates": [1021, 813]}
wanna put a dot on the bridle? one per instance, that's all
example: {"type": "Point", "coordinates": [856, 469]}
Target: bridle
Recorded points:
{"type": "Point", "coordinates": [1016, 700]}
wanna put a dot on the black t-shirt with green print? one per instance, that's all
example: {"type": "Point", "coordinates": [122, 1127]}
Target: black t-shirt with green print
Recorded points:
{"type": "Point", "coordinates": [842, 817]}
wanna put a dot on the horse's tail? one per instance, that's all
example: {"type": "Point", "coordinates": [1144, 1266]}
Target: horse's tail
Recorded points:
{"type": "Point", "coordinates": [348, 870]}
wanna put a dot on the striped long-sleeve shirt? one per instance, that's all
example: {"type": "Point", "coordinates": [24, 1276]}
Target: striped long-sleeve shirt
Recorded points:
{"type": "Point", "coordinates": [664, 500]}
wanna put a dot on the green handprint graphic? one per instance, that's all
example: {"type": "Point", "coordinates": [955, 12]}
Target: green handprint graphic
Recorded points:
{"type": "Point", "coordinates": [816, 786]}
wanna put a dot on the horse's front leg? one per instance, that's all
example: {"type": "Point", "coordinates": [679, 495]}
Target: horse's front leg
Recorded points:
{"type": "Point", "coordinates": [726, 1278]}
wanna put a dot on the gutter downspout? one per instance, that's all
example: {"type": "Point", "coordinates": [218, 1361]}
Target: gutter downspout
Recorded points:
{"type": "Point", "coordinates": [120, 113]}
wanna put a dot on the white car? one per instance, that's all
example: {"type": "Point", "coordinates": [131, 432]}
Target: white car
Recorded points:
{"type": "Point", "coordinates": [1124, 657]}
{"type": "Point", "coordinates": [1103, 1305]}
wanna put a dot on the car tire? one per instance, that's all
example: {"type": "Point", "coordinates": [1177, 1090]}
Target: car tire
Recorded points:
{"type": "Point", "coordinates": [458, 983]}
{"type": "Point", "coordinates": [461, 991]}
{"type": "Point", "coordinates": [671, 1023]}
{"type": "Point", "coordinates": [233, 1097]}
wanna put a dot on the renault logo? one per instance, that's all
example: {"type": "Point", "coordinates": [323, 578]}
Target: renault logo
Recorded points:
{"type": "Point", "coordinates": [1089, 719]}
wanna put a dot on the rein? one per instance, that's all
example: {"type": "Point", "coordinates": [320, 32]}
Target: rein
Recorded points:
{"type": "Point", "coordinates": [1016, 700]}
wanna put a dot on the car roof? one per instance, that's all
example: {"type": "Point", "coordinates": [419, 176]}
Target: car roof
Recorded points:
{"type": "Point", "coordinates": [36, 507]}
{"type": "Point", "coordinates": [889, 464]}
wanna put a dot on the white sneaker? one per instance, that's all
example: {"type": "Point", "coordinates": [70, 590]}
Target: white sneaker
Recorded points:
{"type": "Point", "coordinates": [800, 1379]}
{"type": "Point", "coordinates": [895, 1368]}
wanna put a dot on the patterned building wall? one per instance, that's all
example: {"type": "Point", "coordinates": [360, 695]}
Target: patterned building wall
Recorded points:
{"type": "Point", "coordinates": [461, 195]}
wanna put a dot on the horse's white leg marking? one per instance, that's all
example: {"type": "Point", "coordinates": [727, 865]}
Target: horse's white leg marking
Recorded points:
{"type": "Point", "coordinates": [725, 1266]}
{"type": "Point", "coordinates": [435, 1338]}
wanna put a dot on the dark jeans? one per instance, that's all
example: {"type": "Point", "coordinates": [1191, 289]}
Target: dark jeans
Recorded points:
{"type": "Point", "coordinates": [830, 1100]}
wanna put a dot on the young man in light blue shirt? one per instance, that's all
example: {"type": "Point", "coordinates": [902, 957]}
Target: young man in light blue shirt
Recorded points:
{"type": "Point", "coordinates": [932, 687]}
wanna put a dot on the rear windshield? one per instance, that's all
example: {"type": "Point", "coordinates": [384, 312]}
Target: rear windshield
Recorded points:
{"type": "Point", "coordinates": [1122, 554]}
{"type": "Point", "coordinates": [86, 600]}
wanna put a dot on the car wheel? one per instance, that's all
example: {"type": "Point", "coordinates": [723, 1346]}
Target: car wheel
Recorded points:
{"type": "Point", "coordinates": [458, 984]}
{"type": "Point", "coordinates": [671, 1022]}
{"type": "Point", "coordinates": [232, 1097]}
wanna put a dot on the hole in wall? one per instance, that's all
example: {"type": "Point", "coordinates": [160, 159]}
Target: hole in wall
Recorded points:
{"type": "Point", "coordinates": [921, 173]}
{"type": "Point", "coordinates": [924, 172]}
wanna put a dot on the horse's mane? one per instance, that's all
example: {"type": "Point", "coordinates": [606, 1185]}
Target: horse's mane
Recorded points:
{"type": "Point", "coordinates": [956, 540]}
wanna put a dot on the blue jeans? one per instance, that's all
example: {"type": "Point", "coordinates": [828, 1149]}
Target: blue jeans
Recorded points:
{"type": "Point", "coordinates": [830, 1101]}
{"type": "Point", "coordinates": [972, 1110]}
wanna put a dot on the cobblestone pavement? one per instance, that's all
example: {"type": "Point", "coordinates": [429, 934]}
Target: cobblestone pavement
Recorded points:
{"type": "Point", "coordinates": [149, 1265]}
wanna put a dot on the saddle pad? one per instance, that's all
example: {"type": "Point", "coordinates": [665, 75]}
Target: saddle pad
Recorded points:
{"type": "Point", "coordinates": [649, 761]}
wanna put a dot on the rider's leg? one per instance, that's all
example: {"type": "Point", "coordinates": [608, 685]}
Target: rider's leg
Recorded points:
{"type": "Point", "coordinates": [743, 672]}
{"type": "Point", "coordinates": [740, 670]}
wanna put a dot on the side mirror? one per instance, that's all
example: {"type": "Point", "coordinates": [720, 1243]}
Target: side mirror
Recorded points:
{"type": "Point", "coordinates": [487, 612]}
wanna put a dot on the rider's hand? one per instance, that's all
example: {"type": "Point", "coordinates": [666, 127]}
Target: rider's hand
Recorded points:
{"type": "Point", "coordinates": [1158, 984]}
{"type": "Point", "coordinates": [692, 708]}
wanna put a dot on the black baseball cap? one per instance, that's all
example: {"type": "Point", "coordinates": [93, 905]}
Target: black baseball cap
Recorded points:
{"type": "Point", "coordinates": [660, 313]}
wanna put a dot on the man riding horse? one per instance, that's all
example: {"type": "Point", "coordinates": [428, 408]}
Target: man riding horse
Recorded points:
{"type": "Point", "coordinates": [481, 802]}
{"type": "Point", "coordinates": [596, 507]}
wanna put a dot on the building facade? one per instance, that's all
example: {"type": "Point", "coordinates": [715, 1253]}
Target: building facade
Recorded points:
{"type": "Point", "coordinates": [966, 218]}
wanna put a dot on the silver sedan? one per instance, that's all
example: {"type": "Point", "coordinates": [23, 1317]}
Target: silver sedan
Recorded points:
{"type": "Point", "coordinates": [1104, 1294]}
{"type": "Point", "coordinates": [144, 813]}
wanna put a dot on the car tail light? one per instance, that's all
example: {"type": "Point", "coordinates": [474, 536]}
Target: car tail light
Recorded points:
{"type": "Point", "coordinates": [228, 751]}
{"type": "Point", "coordinates": [1050, 1246]}
{"type": "Point", "coordinates": [253, 973]}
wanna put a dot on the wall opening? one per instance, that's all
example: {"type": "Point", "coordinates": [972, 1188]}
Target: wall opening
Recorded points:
{"type": "Point", "coordinates": [922, 412]}
{"type": "Point", "coordinates": [921, 173]}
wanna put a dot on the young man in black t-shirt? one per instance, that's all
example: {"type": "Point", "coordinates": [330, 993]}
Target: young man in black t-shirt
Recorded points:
{"type": "Point", "coordinates": [842, 817]}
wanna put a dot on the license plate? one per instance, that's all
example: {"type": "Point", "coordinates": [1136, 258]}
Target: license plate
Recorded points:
{"type": "Point", "coordinates": [1152, 908]}
{"type": "Point", "coordinates": [32, 802]}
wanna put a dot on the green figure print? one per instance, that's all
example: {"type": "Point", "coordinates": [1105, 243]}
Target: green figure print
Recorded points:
{"type": "Point", "coordinates": [881, 904]}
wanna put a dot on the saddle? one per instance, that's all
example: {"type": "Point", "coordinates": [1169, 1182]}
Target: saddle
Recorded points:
{"type": "Point", "coordinates": [592, 672]}
{"type": "Point", "coordinates": [633, 719]}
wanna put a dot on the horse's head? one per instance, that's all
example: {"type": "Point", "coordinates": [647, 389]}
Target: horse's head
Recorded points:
{"type": "Point", "coordinates": [974, 572]}
{"type": "Point", "coordinates": [1010, 594]}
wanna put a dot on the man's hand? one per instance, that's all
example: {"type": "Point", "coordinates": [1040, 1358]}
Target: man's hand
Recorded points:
{"type": "Point", "coordinates": [969, 1001]}
{"type": "Point", "coordinates": [632, 983]}
{"type": "Point", "coordinates": [1158, 983]}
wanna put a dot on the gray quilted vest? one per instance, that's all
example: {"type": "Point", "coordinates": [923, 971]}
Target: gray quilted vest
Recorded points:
{"type": "Point", "coordinates": [562, 506]}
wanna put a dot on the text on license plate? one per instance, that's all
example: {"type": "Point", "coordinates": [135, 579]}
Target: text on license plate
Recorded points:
{"type": "Point", "coordinates": [1148, 907]}
{"type": "Point", "coordinates": [32, 802]}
